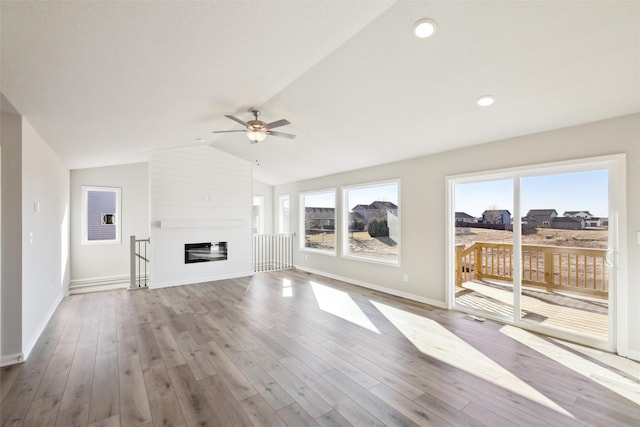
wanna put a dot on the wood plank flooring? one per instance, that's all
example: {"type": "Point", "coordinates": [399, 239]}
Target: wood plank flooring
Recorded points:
{"type": "Point", "coordinates": [295, 349]}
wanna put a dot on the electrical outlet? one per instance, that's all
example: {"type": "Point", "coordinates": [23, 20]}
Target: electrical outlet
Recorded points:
{"type": "Point", "coordinates": [405, 277]}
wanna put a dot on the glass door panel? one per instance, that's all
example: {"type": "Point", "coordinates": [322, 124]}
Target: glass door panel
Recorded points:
{"type": "Point", "coordinates": [484, 247]}
{"type": "Point", "coordinates": [565, 238]}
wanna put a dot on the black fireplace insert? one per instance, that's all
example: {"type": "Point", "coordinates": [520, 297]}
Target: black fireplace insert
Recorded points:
{"type": "Point", "coordinates": [205, 252]}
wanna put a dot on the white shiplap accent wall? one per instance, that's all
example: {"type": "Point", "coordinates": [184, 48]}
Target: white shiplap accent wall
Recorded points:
{"type": "Point", "coordinates": [199, 195]}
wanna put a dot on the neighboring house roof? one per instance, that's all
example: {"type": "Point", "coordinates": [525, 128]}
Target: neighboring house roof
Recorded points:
{"type": "Point", "coordinates": [376, 205]}
{"type": "Point", "coordinates": [383, 205]}
{"type": "Point", "coordinates": [320, 213]}
{"type": "Point", "coordinates": [541, 212]}
{"type": "Point", "coordinates": [360, 207]}
{"type": "Point", "coordinates": [495, 212]}
{"type": "Point", "coordinates": [463, 215]}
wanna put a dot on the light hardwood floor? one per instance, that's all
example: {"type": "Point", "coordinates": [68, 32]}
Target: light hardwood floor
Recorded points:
{"type": "Point", "coordinates": [290, 348]}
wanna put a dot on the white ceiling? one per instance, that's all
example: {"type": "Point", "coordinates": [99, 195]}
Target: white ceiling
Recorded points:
{"type": "Point", "coordinates": [109, 82]}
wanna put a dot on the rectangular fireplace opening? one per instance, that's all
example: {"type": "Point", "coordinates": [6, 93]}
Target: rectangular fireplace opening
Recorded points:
{"type": "Point", "coordinates": [205, 252]}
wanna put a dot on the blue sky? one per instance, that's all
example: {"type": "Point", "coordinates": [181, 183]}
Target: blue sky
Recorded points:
{"type": "Point", "coordinates": [562, 192]}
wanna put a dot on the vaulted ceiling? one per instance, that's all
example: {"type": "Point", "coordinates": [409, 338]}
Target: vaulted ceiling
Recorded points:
{"type": "Point", "coordinates": [110, 82]}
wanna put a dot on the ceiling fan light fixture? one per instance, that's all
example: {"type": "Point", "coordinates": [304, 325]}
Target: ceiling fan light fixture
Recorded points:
{"type": "Point", "coordinates": [424, 28]}
{"type": "Point", "coordinates": [256, 135]}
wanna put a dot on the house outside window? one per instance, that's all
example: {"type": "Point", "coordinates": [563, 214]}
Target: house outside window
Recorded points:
{"type": "Point", "coordinates": [372, 223]}
{"type": "Point", "coordinates": [318, 209]}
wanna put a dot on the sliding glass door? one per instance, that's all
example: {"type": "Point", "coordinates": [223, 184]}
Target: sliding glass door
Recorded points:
{"type": "Point", "coordinates": [536, 247]}
{"type": "Point", "coordinates": [565, 268]}
{"type": "Point", "coordinates": [483, 246]}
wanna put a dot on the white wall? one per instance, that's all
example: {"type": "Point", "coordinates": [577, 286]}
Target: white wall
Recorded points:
{"type": "Point", "coordinates": [266, 190]}
{"type": "Point", "coordinates": [199, 195]}
{"type": "Point", "coordinates": [423, 199]}
{"type": "Point", "coordinates": [45, 234]}
{"type": "Point", "coordinates": [11, 281]}
{"type": "Point", "coordinates": [105, 266]}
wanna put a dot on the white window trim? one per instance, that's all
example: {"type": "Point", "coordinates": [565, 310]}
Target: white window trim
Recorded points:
{"type": "Point", "coordinates": [302, 223]}
{"type": "Point", "coordinates": [83, 223]}
{"type": "Point", "coordinates": [345, 224]}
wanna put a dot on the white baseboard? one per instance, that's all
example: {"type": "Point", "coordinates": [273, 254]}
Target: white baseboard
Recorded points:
{"type": "Point", "coordinates": [29, 347]}
{"type": "Point", "coordinates": [634, 355]}
{"type": "Point", "coordinates": [96, 284]}
{"type": "Point", "coordinates": [11, 359]}
{"type": "Point", "coordinates": [169, 284]}
{"type": "Point", "coordinates": [378, 288]}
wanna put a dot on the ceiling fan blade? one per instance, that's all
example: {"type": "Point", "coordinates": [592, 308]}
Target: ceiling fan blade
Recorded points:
{"type": "Point", "coordinates": [226, 131]}
{"type": "Point", "coordinates": [278, 123]}
{"type": "Point", "coordinates": [281, 134]}
{"type": "Point", "coordinates": [237, 120]}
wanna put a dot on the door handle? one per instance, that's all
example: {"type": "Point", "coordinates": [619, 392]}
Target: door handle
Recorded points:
{"type": "Point", "coordinates": [609, 257]}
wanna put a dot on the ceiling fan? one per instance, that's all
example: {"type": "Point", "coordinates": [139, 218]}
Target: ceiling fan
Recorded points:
{"type": "Point", "coordinates": [257, 130]}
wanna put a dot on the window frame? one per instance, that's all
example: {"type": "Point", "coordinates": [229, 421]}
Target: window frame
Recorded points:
{"type": "Point", "coordinates": [259, 227]}
{"type": "Point", "coordinates": [84, 223]}
{"type": "Point", "coordinates": [302, 222]}
{"type": "Point", "coordinates": [281, 217]}
{"type": "Point", "coordinates": [345, 253]}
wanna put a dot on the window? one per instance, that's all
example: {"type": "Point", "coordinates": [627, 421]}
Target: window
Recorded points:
{"type": "Point", "coordinates": [372, 223]}
{"type": "Point", "coordinates": [319, 225]}
{"type": "Point", "coordinates": [258, 214]}
{"type": "Point", "coordinates": [283, 214]}
{"type": "Point", "coordinates": [100, 215]}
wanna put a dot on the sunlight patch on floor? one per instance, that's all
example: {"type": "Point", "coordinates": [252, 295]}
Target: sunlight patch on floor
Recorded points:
{"type": "Point", "coordinates": [287, 289]}
{"type": "Point", "coordinates": [340, 304]}
{"type": "Point", "coordinates": [613, 381]}
{"type": "Point", "coordinates": [436, 341]}
{"type": "Point", "coordinates": [550, 314]}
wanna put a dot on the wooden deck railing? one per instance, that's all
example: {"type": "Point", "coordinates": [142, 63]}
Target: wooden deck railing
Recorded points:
{"type": "Point", "coordinates": [552, 267]}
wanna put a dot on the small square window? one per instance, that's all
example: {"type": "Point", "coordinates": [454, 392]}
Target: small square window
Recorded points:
{"type": "Point", "coordinates": [100, 215]}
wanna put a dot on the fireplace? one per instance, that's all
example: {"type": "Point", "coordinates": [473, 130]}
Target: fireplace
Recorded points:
{"type": "Point", "coordinates": [205, 252]}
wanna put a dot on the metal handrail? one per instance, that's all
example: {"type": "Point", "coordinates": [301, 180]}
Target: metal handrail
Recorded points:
{"type": "Point", "coordinates": [139, 261]}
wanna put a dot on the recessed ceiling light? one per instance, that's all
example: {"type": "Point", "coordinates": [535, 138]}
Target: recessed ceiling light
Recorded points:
{"type": "Point", "coordinates": [200, 139]}
{"type": "Point", "coordinates": [486, 100]}
{"type": "Point", "coordinates": [424, 28]}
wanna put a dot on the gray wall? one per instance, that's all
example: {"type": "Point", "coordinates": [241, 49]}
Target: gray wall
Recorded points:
{"type": "Point", "coordinates": [423, 196]}
{"type": "Point", "coordinates": [45, 234]}
{"type": "Point", "coordinates": [101, 265]}
{"type": "Point", "coordinates": [11, 287]}
{"type": "Point", "coordinates": [35, 236]}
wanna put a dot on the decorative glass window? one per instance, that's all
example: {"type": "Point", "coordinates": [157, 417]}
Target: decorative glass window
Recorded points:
{"type": "Point", "coordinates": [100, 215]}
{"type": "Point", "coordinates": [372, 223]}
{"type": "Point", "coordinates": [318, 226]}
